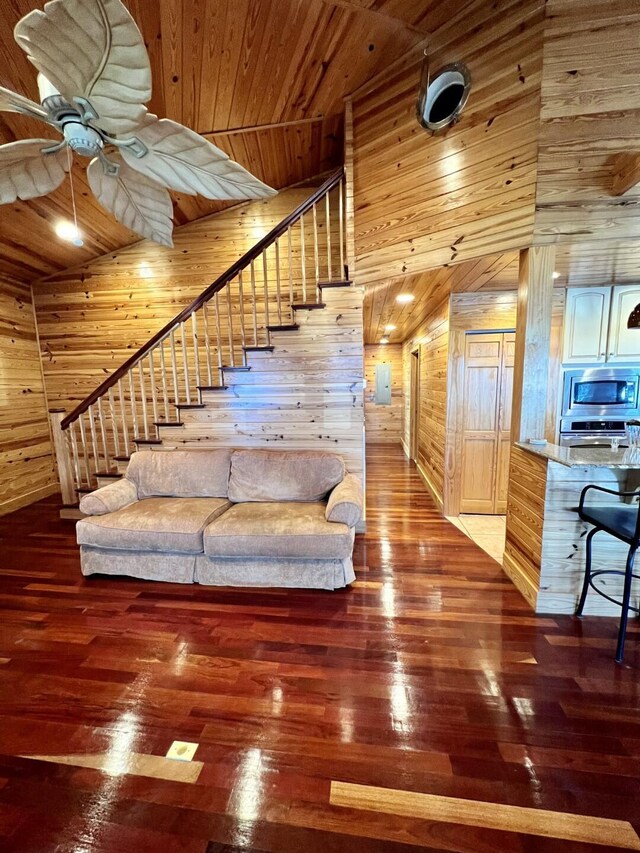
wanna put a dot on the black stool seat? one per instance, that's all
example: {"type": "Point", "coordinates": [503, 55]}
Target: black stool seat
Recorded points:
{"type": "Point", "coordinates": [622, 521]}
{"type": "Point", "coordinates": [618, 521]}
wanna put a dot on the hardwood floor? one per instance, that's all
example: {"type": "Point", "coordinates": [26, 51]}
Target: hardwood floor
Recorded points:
{"type": "Point", "coordinates": [490, 728]}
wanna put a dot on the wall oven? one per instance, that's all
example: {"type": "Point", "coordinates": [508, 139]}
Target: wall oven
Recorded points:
{"type": "Point", "coordinates": [602, 393]}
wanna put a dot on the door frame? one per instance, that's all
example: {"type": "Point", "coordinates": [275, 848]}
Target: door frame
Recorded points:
{"type": "Point", "coordinates": [414, 404]}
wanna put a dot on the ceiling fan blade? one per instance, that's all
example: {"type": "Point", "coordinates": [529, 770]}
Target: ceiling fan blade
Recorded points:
{"type": "Point", "coordinates": [136, 201]}
{"type": "Point", "coordinates": [12, 102]}
{"type": "Point", "coordinates": [91, 49]}
{"type": "Point", "coordinates": [181, 159]}
{"type": "Point", "coordinates": [25, 172]}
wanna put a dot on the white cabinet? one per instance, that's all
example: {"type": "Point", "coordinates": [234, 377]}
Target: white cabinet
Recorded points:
{"type": "Point", "coordinates": [624, 344]}
{"type": "Point", "coordinates": [586, 322]}
{"type": "Point", "coordinates": [595, 325]}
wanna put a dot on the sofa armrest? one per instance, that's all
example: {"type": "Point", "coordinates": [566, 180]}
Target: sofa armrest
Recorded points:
{"type": "Point", "coordinates": [345, 502]}
{"type": "Point", "coordinates": [109, 498]}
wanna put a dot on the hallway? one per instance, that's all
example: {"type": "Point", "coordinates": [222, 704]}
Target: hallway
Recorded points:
{"type": "Point", "coordinates": [429, 676]}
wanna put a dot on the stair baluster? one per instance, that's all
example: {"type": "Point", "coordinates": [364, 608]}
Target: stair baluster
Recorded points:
{"type": "Point", "coordinates": [164, 382]}
{"type": "Point", "coordinates": [125, 430]}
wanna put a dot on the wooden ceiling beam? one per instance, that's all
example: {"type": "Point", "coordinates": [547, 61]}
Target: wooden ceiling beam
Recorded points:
{"type": "Point", "coordinates": [626, 172]}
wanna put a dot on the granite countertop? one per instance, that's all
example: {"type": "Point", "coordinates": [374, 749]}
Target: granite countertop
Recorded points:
{"type": "Point", "coordinates": [585, 457]}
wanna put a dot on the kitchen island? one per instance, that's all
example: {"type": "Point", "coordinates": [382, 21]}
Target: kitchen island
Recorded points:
{"type": "Point", "coordinates": [545, 544]}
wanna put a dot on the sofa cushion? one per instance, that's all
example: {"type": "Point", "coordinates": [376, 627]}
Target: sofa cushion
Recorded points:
{"type": "Point", "coordinates": [276, 475]}
{"type": "Point", "coordinates": [153, 524]}
{"type": "Point", "coordinates": [277, 530]}
{"type": "Point", "coordinates": [180, 473]}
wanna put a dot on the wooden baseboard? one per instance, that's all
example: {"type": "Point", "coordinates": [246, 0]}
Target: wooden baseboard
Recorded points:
{"type": "Point", "coordinates": [436, 497]}
{"type": "Point", "coordinates": [522, 583]}
{"type": "Point", "coordinates": [28, 498]}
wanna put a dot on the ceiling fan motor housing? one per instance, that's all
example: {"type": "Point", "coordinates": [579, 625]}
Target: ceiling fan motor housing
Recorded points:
{"type": "Point", "coordinates": [82, 139]}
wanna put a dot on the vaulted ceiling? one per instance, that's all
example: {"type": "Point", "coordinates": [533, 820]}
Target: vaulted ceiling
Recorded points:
{"type": "Point", "coordinates": [231, 69]}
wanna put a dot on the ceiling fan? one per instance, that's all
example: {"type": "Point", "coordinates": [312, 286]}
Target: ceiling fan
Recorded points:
{"type": "Point", "coordinates": [94, 80]}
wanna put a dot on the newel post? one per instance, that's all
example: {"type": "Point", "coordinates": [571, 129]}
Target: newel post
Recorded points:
{"type": "Point", "coordinates": [63, 458]}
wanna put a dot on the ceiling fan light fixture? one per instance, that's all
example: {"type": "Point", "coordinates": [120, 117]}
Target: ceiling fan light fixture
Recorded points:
{"type": "Point", "coordinates": [384, 340]}
{"type": "Point", "coordinates": [405, 298]}
{"type": "Point", "coordinates": [442, 98]}
{"type": "Point", "coordinates": [68, 231]}
{"type": "Point", "coordinates": [389, 327]}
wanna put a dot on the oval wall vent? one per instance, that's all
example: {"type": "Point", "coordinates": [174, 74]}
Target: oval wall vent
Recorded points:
{"type": "Point", "coordinates": [442, 98]}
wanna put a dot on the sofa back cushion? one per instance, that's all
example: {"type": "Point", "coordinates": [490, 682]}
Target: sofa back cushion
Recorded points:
{"type": "Point", "coordinates": [281, 475]}
{"type": "Point", "coordinates": [180, 473]}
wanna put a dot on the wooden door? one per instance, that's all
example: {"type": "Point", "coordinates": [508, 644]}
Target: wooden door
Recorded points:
{"type": "Point", "coordinates": [488, 385]}
{"type": "Point", "coordinates": [624, 343]}
{"type": "Point", "coordinates": [586, 324]}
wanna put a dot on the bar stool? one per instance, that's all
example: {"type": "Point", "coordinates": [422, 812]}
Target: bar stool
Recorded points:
{"type": "Point", "coordinates": [623, 522]}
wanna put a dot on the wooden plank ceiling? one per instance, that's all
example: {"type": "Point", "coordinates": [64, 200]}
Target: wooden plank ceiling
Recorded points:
{"type": "Point", "coordinates": [221, 67]}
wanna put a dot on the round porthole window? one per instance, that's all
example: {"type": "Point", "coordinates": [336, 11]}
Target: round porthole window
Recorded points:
{"type": "Point", "coordinates": [442, 98]}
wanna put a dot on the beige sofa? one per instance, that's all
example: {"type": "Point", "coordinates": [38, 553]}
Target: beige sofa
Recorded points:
{"type": "Point", "coordinates": [225, 517]}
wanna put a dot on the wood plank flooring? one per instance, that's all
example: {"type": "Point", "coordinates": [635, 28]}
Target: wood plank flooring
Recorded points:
{"type": "Point", "coordinates": [430, 678]}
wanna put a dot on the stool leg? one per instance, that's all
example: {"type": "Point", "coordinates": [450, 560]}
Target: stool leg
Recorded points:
{"type": "Point", "coordinates": [587, 572]}
{"type": "Point", "coordinates": [622, 630]}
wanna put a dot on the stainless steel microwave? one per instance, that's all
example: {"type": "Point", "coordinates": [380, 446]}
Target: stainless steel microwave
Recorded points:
{"type": "Point", "coordinates": [601, 392]}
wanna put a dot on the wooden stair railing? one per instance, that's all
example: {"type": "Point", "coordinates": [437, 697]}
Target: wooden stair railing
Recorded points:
{"type": "Point", "coordinates": [232, 316]}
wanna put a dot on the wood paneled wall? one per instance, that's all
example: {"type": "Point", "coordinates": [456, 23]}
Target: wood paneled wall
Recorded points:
{"type": "Point", "coordinates": [432, 338]}
{"type": "Point", "coordinates": [93, 318]}
{"type": "Point", "coordinates": [383, 424]}
{"type": "Point", "coordinates": [26, 461]}
{"type": "Point", "coordinates": [423, 201]}
{"type": "Point", "coordinates": [590, 112]}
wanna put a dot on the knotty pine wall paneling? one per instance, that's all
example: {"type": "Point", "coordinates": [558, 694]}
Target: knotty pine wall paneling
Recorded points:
{"type": "Point", "coordinates": [92, 318]}
{"type": "Point", "coordinates": [432, 338]}
{"type": "Point", "coordinates": [590, 112]}
{"type": "Point", "coordinates": [26, 461]}
{"type": "Point", "coordinates": [383, 424]}
{"type": "Point", "coordinates": [423, 201]}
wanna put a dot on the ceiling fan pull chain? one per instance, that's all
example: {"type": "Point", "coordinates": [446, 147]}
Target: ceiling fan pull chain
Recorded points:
{"type": "Point", "coordinates": [78, 239]}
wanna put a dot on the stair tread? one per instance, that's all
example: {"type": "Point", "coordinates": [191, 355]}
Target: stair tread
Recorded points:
{"type": "Point", "coordinates": [190, 405]}
{"type": "Point", "coordinates": [292, 327]}
{"type": "Point", "coordinates": [113, 474]}
{"type": "Point", "coordinates": [212, 388]}
{"type": "Point", "coordinates": [229, 367]}
{"type": "Point", "coordinates": [337, 283]}
{"type": "Point", "coordinates": [307, 306]}
{"type": "Point", "coordinates": [168, 423]}
{"type": "Point", "coordinates": [147, 440]}
{"type": "Point", "coordinates": [121, 458]}
{"type": "Point", "coordinates": [267, 348]}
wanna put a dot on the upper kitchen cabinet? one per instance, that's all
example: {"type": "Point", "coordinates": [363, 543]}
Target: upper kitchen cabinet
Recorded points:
{"type": "Point", "coordinates": [595, 325]}
{"type": "Point", "coordinates": [624, 343]}
{"type": "Point", "coordinates": [586, 323]}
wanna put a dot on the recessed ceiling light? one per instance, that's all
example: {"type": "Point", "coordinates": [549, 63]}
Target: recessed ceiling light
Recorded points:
{"type": "Point", "coordinates": [389, 327]}
{"type": "Point", "coordinates": [556, 275]}
{"type": "Point", "coordinates": [68, 231]}
{"type": "Point", "coordinates": [403, 298]}
{"type": "Point", "coordinates": [384, 340]}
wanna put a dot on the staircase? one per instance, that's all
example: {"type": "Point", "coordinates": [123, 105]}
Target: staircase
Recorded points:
{"type": "Point", "coordinates": [256, 341]}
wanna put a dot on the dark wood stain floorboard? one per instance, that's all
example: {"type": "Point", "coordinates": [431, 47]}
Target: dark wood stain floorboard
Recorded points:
{"type": "Point", "coordinates": [430, 675]}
